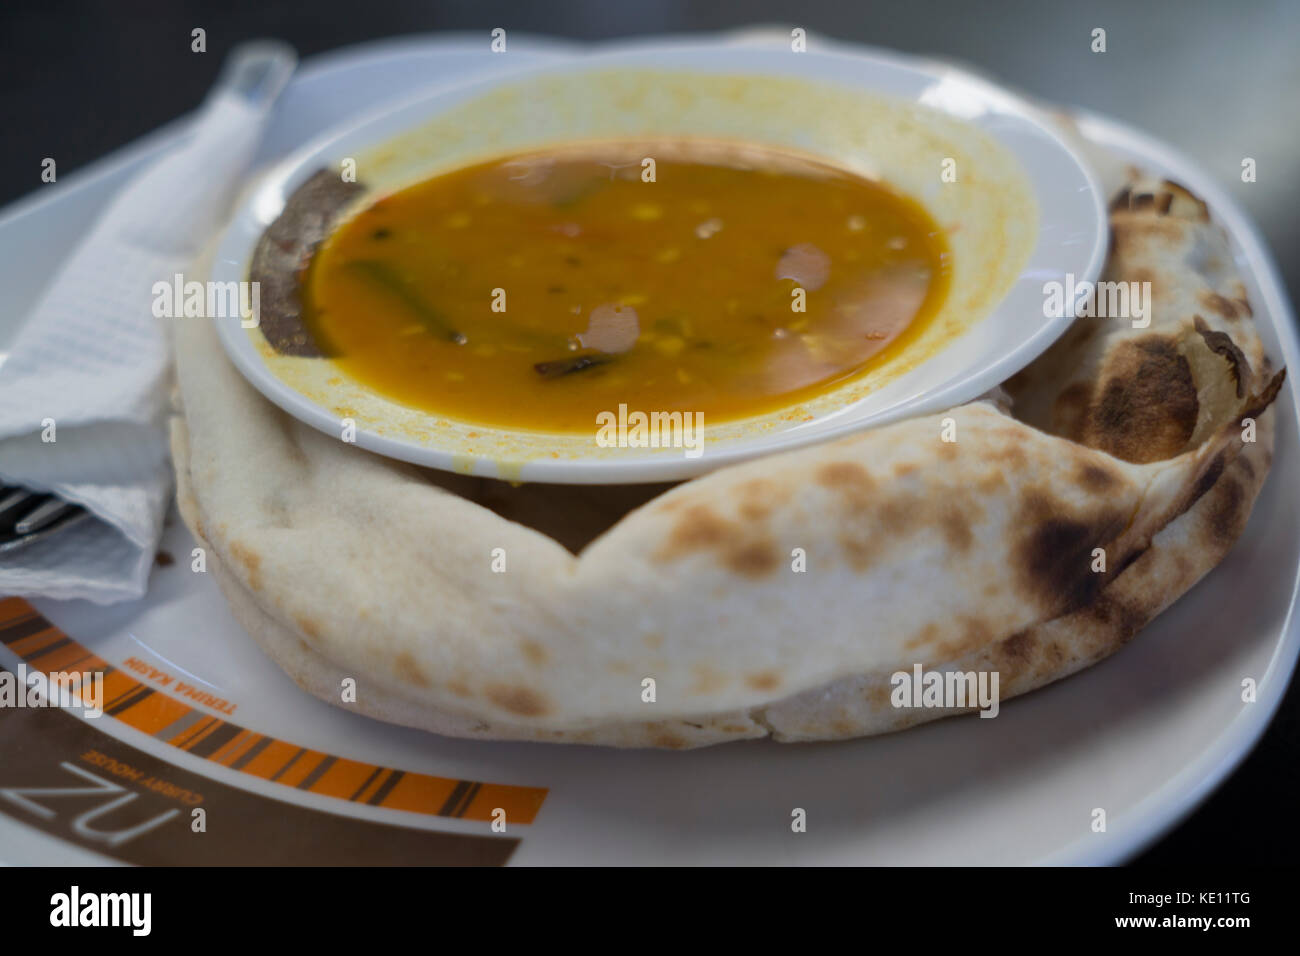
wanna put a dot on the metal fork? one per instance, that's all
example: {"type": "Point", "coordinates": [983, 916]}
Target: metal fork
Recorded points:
{"type": "Point", "coordinates": [27, 516]}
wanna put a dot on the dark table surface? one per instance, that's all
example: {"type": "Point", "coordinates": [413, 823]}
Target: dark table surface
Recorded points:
{"type": "Point", "coordinates": [1219, 80]}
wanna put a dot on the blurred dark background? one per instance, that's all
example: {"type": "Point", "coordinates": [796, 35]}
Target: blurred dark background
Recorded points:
{"type": "Point", "coordinates": [1219, 80]}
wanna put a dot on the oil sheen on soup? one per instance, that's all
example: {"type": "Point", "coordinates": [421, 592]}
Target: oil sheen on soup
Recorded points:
{"type": "Point", "coordinates": [537, 291]}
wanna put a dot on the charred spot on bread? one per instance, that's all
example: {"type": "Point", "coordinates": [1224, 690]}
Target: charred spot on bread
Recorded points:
{"type": "Point", "coordinates": [1228, 511]}
{"type": "Point", "coordinates": [409, 670]}
{"type": "Point", "coordinates": [844, 474]}
{"type": "Point", "coordinates": [1165, 197]}
{"type": "Point", "coordinates": [1219, 305]}
{"type": "Point", "coordinates": [1096, 477]}
{"type": "Point", "coordinates": [1055, 555]}
{"type": "Point", "coordinates": [739, 547]}
{"type": "Point", "coordinates": [764, 680]}
{"type": "Point", "coordinates": [1070, 409]}
{"type": "Point", "coordinates": [1206, 479]}
{"type": "Point", "coordinates": [1221, 344]}
{"type": "Point", "coordinates": [1146, 407]}
{"type": "Point", "coordinates": [518, 700]}
{"type": "Point", "coordinates": [1120, 619]}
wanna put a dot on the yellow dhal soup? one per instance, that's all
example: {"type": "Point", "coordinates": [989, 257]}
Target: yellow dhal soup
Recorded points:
{"type": "Point", "coordinates": [539, 290]}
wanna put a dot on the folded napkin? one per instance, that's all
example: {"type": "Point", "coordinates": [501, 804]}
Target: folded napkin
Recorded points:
{"type": "Point", "coordinates": [91, 366]}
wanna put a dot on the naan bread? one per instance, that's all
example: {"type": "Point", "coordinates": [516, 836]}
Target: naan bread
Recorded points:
{"type": "Point", "coordinates": [969, 555]}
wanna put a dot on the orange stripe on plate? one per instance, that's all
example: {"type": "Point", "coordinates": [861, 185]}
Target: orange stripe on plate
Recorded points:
{"type": "Point", "coordinates": [302, 768]}
{"type": "Point", "coordinates": [231, 757]}
{"type": "Point", "coordinates": [375, 785]}
{"type": "Point", "coordinates": [118, 688]}
{"type": "Point", "coordinates": [413, 792]}
{"type": "Point", "coordinates": [343, 778]}
{"type": "Point", "coordinates": [82, 663]}
{"type": "Point", "coordinates": [219, 755]}
{"type": "Point", "coordinates": [11, 609]}
{"type": "Point", "coordinates": [271, 760]}
{"type": "Point", "coordinates": [520, 803]}
{"type": "Point", "coordinates": [96, 664]}
{"type": "Point", "coordinates": [192, 733]}
{"type": "Point", "coordinates": [153, 713]}
{"type": "Point", "coordinates": [207, 731]}
{"type": "Point", "coordinates": [420, 793]}
{"type": "Point", "coordinates": [59, 659]}
{"type": "Point", "coordinates": [31, 645]}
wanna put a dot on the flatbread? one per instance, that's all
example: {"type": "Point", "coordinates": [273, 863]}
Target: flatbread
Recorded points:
{"type": "Point", "coordinates": [966, 555]}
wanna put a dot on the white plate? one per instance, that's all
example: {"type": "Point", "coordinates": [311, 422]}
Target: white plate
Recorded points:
{"type": "Point", "coordinates": [1049, 215]}
{"type": "Point", "coordinates": [1145, 734]}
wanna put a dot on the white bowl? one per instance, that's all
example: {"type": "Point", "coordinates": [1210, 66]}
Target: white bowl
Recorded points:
{"type": "Point", "coordinates": [1024, 211]}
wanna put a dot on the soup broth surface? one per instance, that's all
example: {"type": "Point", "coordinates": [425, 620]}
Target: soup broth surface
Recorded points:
{"type": "Point", "coordinates": [537, 291]}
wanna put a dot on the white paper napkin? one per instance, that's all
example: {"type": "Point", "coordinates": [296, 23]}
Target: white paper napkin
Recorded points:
{"type": "Point", "coordinates": [93, 362]}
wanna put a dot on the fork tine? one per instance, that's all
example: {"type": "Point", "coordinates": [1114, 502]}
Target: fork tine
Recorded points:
{"type": "Point", "coordinates": [13, 500]}
{"type": "Point", "coordinates": [45, 513]}
{"type": "Point", "coordinates": [27, 516]}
